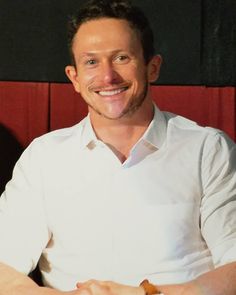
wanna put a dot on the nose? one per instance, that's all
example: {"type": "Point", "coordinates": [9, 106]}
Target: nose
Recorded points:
{"type": "Point", "coordinates": [108, 73]}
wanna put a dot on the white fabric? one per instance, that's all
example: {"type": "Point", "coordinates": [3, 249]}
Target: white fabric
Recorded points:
{"type": "Point", "coordinates": [167, 214]}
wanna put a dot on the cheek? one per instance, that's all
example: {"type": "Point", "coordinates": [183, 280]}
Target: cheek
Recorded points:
{"type": "Point", "coordinates": [138, 72]}
{"type": "Point", "coordinates": [140, 77]}
{"type": "Point", "coordinates": [85, 79]}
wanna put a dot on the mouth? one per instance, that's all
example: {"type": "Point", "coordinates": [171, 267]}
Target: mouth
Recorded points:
{"type": "Point", "coordinates": [111, 92]}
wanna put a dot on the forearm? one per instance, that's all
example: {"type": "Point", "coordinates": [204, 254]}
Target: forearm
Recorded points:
{"type": "Point", "coordinates": [14, 283]}
{"type": "Point", "coordinates": [220, 281]}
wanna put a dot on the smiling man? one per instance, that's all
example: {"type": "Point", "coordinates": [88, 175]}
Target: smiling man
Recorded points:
{"type": "Point", "coordinates": [111, 73]}
{"type": "Point", "coordinates": [131, 200]}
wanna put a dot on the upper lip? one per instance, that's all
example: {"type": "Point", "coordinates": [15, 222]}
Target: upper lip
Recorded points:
{"type": "Point", "coordinates": [110, 88]}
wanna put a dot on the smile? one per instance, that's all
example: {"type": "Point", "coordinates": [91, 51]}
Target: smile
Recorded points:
{"type": "Point", "coordinates": [111, 92]}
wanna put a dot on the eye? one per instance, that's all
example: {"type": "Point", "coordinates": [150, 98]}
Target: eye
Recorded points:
{"type": "Point", "coordinates": [90, 62]}
{"type": "Point", "coordinates": [122, 59]}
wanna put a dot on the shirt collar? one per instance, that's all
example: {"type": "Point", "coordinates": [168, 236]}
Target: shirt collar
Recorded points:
{"type": "Point", "coordinates": [155, 134]}
{"type": "Point", "coordinates": [156, 131]}
{"type": "Point", "coordinates": [88, 134]}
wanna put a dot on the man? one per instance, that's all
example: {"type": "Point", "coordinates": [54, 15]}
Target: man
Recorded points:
{"type": "Point", "coordinates": [128, 194]}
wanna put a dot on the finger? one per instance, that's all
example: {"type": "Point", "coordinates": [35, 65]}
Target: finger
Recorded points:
{"type": "Point", "coordinates": [88, 284]}
{"type": "Point", "coordinates": [79, 284]}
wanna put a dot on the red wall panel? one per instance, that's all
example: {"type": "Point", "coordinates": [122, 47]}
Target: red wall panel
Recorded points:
{"type": "Point", "coordinates": [209, 106]}
{"type": "Point", "coordinates": [24, 109]}
{"type": "Point", "coordinates": [28, 110]}
{"type": "Point", "coordinates": [23, 116]}
{"type": "Point", "coordinates": [66, 106]}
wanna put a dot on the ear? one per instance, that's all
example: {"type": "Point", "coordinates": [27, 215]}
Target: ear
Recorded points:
{"type": "Point", "coordinates": [71, 73]}
{"type": "Point", "coordinates": [154, 66]}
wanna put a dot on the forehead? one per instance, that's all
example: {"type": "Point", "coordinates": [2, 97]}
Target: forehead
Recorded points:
{"type": "Point", "coordinates": [105, 32]}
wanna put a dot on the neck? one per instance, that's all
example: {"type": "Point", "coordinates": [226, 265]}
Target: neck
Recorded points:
{"type": "Point", "coordinates": [122, 134]}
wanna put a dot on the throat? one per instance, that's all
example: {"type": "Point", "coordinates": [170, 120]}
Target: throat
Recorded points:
{"type": "Point", "coordinates": [121, 154]}
{"type": "Point", "coordinates": [122, 143]}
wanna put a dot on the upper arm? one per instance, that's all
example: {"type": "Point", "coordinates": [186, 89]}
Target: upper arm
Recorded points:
{"type": "Point", "coordinates": [218, 206]}
{"type": "Point", "coordinates": [23, 222]}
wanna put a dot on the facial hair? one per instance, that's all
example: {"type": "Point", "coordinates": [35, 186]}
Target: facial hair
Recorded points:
{"type": "Point", "coordinates": [131, 108]}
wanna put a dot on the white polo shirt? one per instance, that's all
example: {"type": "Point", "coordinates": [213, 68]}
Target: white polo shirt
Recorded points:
{"type": "Point", "coordinates": [167, 214]}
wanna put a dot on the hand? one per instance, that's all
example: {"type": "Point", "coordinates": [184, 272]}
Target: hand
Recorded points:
{"type": "Point", "coordinates": [94, 287]}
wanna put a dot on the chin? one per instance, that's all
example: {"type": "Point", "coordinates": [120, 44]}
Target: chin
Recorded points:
{"type": "Point", "coordinates": [112, 117]}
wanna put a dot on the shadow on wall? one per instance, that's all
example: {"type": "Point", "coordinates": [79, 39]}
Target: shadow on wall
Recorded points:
{"type": "Point", "coordinates": [10, 151]}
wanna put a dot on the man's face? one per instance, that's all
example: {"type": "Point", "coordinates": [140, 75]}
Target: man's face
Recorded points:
{"type": "Point", "coordinates": [110, 72]}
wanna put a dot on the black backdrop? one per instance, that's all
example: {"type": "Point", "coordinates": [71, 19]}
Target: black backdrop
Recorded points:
{"type": "Point", "coordinates": [197, 40]}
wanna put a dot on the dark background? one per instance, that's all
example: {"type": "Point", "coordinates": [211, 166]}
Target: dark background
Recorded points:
{"type": "Point", "coordinates": [197, 40]}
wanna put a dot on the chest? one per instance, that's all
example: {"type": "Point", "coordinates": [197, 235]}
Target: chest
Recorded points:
{"type": "Point", "coordinates": [107, 204]}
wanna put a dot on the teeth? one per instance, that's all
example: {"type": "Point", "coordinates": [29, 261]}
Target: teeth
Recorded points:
{"type": "Point", "coordinates": [111, 92]}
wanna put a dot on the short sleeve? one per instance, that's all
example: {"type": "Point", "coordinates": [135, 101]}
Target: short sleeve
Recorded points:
{"type": "Point", "coordinates": [23, 223]}
{"type": "Point", "coordinates": [218, 206]}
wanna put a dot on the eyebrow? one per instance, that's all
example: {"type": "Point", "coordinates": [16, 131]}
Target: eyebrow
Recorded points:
{"type": "Point", "coordinates": [85, 54]}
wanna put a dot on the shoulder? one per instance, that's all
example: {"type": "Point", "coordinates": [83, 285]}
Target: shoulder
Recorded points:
{"type": "Point", "coordinates": [185, 131]}
{"type": "Point", "coordinates": [180, 124]}
{"type": "Point", "coordinates": [185, 124]}
{"type": "Point", "coordinates": [55, 143]}
{"type": "Point", "coordinates": [61, 136]}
